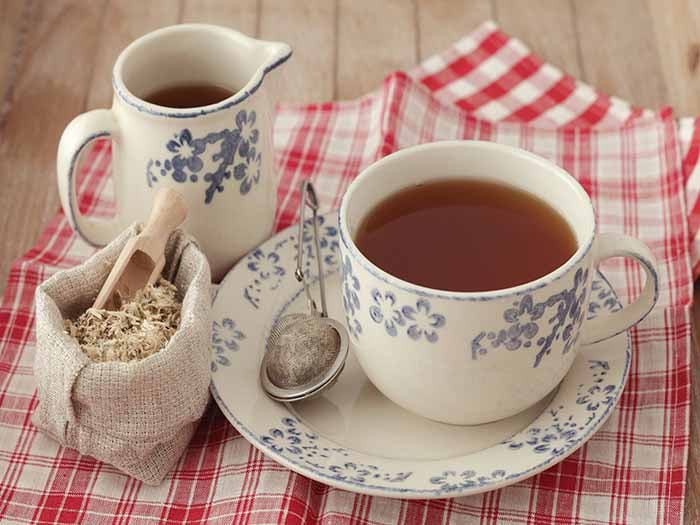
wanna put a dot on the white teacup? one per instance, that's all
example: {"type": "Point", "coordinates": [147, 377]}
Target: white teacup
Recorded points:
{"type": "Point", "coordinates": [219, 156]}
{"type": "Point", "coordinates": [470, 358]}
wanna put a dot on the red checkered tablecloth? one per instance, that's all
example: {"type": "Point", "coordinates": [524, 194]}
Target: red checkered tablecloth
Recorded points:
{"type": "Point", "coordinates": [640, 169]}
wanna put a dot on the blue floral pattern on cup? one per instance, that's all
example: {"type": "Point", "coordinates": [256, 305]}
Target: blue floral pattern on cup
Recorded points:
{"type": "Point", "coordinates": [351, 298]}
{"type": "Point", "coordinates": [422, 321]}
{"type": "Point", "coordinates": [602, 298]}
{"type": "Point", "coordinates": [225, 338]}
{"type": "Point", "coordinates": [563, 313]}
{"type": "Point", "coordinates": [236, 156]}
{"type": "Point", "coordinates": [419, 319]}
{"type": "Point", "coordinates": [384, 311]}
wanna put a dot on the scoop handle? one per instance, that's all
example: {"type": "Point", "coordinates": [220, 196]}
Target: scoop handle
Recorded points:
{"type": "Point", "coordinates": [168, 212]}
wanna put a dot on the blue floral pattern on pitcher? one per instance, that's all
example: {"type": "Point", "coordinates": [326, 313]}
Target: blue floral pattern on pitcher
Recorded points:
{"type": "Point", "coordinates": [187, 156]}
{"type": "Point", "coordinates": [248, 173]}
{"type": "Point", "coordinates": [236, 157]}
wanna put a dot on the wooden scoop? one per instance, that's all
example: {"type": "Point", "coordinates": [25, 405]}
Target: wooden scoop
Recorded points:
{"type": "Point", "coordinates": [143, 257]}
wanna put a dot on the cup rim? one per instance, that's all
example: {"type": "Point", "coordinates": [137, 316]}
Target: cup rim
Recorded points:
{"type": "Point", "coordinates": [281, 52]}
{"type": "Point", "coordinates": [485, 295]}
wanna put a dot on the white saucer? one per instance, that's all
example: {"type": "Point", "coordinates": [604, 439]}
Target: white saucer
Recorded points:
{"type": "Point", "coordinates": [352, 437]}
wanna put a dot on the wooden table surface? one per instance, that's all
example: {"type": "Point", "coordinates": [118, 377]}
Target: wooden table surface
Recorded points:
{"type": "Point", "coordinates": [56, 57]}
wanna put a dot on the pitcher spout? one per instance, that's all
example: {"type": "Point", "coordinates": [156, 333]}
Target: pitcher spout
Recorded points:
{"type": "Point", "coordinates": [277, 54]}
{"type": "Point", "coordinates": [270, 56]}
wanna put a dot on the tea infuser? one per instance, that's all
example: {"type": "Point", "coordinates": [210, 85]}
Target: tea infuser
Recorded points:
{"type": "Point", "coordinates": [306, 352]}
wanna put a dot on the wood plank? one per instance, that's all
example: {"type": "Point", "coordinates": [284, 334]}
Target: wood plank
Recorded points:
{"type": "Point", "coordinates": [241, 15]}
{"type": "Point", "coordinates": [547, 28]}
{"type": "Point", "coordinates": [127, 21]}
{"type": "Point", "coordinates": [617, 54]}
{"type": "Point", "coordinates": [51, 88]}
{"type": "Point", "coordinates": [309, 27]}
{"type": "Point", "coordinates": [692, 489]}
{"type": "Point", "coordinates": [372, 44]}
{"type": "Point", "coordinates": [442, 22]}
{"type": "Point", "coordinates": [677, 36]}
{"type": "Point", "coordinates": [13, 25]}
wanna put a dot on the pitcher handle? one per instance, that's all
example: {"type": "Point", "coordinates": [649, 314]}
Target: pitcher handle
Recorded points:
{"type": "Point", "coordinates": [82, 131]}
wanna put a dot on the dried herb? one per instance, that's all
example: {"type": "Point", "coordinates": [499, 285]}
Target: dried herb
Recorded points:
{"type": "Point", "coordinates": [139, 328]}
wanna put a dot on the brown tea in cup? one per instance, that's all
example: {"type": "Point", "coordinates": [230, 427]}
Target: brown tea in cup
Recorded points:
{"type": "Point", "coordinates": [465, 235]}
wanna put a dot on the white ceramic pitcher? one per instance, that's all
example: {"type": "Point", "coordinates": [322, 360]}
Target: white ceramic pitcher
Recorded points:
{"type": "Point", "coordinates": [219, 157]}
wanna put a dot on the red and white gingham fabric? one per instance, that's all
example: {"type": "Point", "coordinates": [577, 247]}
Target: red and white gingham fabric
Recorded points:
{"type": "Point", "coordinates": [496, 77]}
{"type": "Point", "coordinates": [634, 164]}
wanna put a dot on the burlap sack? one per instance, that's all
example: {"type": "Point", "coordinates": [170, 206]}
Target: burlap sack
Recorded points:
{"type": "Point", "coordinates": [138, 416]}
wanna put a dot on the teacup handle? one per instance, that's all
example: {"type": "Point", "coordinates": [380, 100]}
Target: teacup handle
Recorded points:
{"type": "Point", "coordinates": [83, 130]}
{"type": "Point", "coordinates": [609, 245]}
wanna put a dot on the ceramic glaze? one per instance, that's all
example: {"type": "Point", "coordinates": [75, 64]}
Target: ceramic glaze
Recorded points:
{"type": "Point", "coordinates": [353, 437]}
{"type": "Point", "coordinates": [219, 157]}
{"type": "Point", "coordinates": [471, 358]}
{"type": "Point", "coordinates": [232, 152]}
